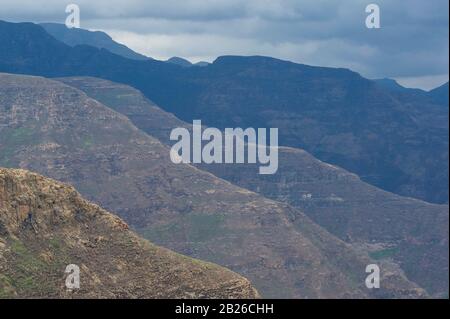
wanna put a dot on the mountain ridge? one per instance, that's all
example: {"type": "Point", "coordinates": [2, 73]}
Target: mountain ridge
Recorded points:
{"type": "Point", "coordinates": [97, 39]}
{"type": "Point", "coordinates": [396, 143]}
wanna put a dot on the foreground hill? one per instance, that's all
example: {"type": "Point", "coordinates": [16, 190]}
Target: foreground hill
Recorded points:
{"type": "Point", "coordinates": [46, 225]}
{"type": "Point", "coordinates": [412, 233]}
{"type": "Point", "coordinates": [398, 144]}
{"type": "Point", "coordinates": [57, 130]}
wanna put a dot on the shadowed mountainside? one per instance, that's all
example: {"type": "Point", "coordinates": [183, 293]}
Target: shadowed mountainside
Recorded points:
{"type": "Point", "coordinates": [398, 144]}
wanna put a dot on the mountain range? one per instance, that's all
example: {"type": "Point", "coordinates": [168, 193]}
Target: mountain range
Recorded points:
{"type": "Point", "coordinates": [58, 131]}
{"type": "Point", "coordinates": [97, 39]}
{"type": "Point", "coordinates": [358, 160]}
{"type": "Point", "coordinates": [399, 144]}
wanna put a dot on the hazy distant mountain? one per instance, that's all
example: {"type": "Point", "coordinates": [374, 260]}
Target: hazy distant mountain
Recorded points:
{"type": "Point", "coordinates": [58, 131]}
{"type": "Point", "coordinates": [97, 39]}
{"type": "Point", "coordinates": [406, 231]}
{"type": "Point", "coordinates": [202, 63]}
{"type": "Point", "coordinates": [179, 61]}
{"type": "Point", "coordinates": [393, 85]}
{"type": "Point", "coordinates": [186, 63]}
{"type": "Point", "coordinates": [440, 94]}
{"type": "Point", "coordinates": [46, 225]}
{"type": "Point", "coordinates": [398, 144]}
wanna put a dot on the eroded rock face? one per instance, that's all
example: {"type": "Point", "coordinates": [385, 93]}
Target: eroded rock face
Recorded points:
{"type": "Point", "coordinates": [409, 232]}
{"type": "Point", "coordinates": [57, 131]}
{"type": "Point", "coordinates": [46, 225]}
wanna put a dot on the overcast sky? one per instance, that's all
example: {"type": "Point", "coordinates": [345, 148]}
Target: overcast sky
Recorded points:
{"type": "Point", "coordinates": [411, 46]}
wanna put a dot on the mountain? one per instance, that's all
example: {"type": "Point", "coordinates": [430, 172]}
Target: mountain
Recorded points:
{"type": "Point", "coordinates": [394, 86]}
{"type": "Point", "coordinates": [96, 39]}
{"type": "Point", "coordinates": [186, 63]}
{"type": "Point", "coordinates": [126, 100]}
{"type": "Point", "coordinates": [390, 84]}
{"type": "Point", "coordinates": [202, 63]}
{"type": "Point", "coordinates": [180, 61]}
{"type": "Point", "coordinates": [400, 145]}
{"type": "Point", "coordinates": [46, 225]}
{"type": "Point", "coordinates": [437, 96]}
{"type": "Point", "coordinates": [412, 233]}
{"type": "Point", "coordinates": [60, 132]}
{"type": "Point", "coordinates": [397, 144]}
{"type": "Point", "coordinates": [440, 94]}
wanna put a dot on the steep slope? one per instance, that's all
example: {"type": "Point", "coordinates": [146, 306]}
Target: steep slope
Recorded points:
{"type": "Point", "coordinates": [96, 39]}
{"type": "Point", "coordinates": [413, 233]}
{"type": "Point", "coordinates": [58, 131]}
{"type": "Point", "coordinates": [400, 145]}
{"type": "Point", "coordinates": [130, 102]}
{"type": "Point", "coordinates": [393, 86]}
{"type": "Point", "coordinates": [440, 94]}
{"type": "Point", "coordinates": [180, 61]}
{"type": "Point", "coordinates": [390, 84]}
{"type": "Point", "coordinates": [410, 232]}
{"type": "Point", "coordinates": [46, 225]}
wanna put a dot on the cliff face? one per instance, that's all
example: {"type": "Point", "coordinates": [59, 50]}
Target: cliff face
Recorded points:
{"type": "Point", "coordinates": [46, 225]}
{"type": "Point", "coordinates": [409, 232]}
{"type": "Point", "coordinates": [56, 130]}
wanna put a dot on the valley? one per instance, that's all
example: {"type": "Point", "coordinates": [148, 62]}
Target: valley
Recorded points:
{"type": "Point", "coordinates": [107, 155]}
{"type": "Point", "coordinates": [412, 233]}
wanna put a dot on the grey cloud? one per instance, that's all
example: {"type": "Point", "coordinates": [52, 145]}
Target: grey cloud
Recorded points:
{"type": "Point", "coordinates": [412, 42]}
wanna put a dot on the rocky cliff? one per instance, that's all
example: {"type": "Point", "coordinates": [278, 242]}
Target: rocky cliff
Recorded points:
{"type": "Point", "coordinates": [46, 225]}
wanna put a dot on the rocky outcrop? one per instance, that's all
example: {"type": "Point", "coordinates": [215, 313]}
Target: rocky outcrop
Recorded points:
{"type": "Point", "coordinates": [46, 225]}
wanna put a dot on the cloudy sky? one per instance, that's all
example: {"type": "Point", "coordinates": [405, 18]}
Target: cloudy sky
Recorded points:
{"type": "Point", "coordinates": [411, 46]}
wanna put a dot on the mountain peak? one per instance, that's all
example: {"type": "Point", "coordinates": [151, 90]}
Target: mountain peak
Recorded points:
{"type": "Point", "coordinates": [97, 39]}
{"type": "Point", "coordinates": [390, 84]}
{"type": "Point", "coordinates": [179, 61]}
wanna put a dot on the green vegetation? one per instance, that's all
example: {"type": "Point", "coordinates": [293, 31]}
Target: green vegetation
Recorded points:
{"type": "Point", "coordinates": [383, 253]}
{"type": "Point", "coordinates": [204, 227]}
{"type": "Point", "coordinates": [29, 269]}
{"type": "Point", "coordinates": [195, 227]}
{"type": "Point", "coordinates": [160, 233]}
{"type": "Point", "coordinates": [11, 139]}
{"type": "Point", "coordinates": [26, 263]}
{"type": "Point", "coordinates": [87, 142]}
{"type": "Point", "coordinates": [111, 98]}
{"type": "Point", "coordinates": [21, 135]}
{"type": "Point", "coordinates": [6, 287]}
